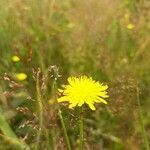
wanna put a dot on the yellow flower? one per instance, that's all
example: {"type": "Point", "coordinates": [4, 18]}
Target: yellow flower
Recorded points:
{"type": "Point", "coordinates": [127, 15]}
{"type": "Point", "coordinates": [15, 58]}
{"type": "Point", "coordinates": [71, 25]}
{"type": "Point", "coordinates": [21, 76]}
{"type": "Point", "coordinates": [83, 90]}
{"type": "Point", "coordinates": [130, 26]}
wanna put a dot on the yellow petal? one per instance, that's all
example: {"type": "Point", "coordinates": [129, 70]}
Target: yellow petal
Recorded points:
{"type": "Point", "coordinates": [70, 80]}
{"type": "Point", "coordinates": [72, 105]}
{"type": "Point", "coordinates": [104, 87]}
{"type": "Point", "coordinates": [60, 90]}
{"type": "Point", "coordinates": [62, 99]}
{"type": "Point", "coordinates": [80, 103]}
{"type": "Point", "coordinates": [103, 94]}
{"type": "Point", "coordinates": [101, 100]}
{"type": "Point", "coordinates": [91, 106]}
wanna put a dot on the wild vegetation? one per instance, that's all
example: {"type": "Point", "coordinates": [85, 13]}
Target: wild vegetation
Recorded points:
{"type": "Point", "coordinates": [43, 42]}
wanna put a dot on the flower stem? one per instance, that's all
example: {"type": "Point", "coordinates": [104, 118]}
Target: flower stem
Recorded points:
{"type": "Point", "coordinates": [40, 108]}
{"type": "Point", "coordinates": [81, 130]}
{"type": "Point", "coordinates": [64, 129]}
{"type": "Point", "coordinates": [141, 122]}
{"type": "Point", "coordinates": [54, 87]}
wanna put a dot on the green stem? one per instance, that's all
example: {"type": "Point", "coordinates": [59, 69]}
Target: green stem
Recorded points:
{"type": "Point", "coordinates": [64, 129]}
{"type": "Point", "coordinates": [40, 107]}
{"type": "Point", "coordinates": [81, 130]}
{"type": "Point", "coordinates": [61, 117]}
{"type": "Point", "coordinates": [48, 140]}
{"type": "Point", "coordinates": [141, 122]}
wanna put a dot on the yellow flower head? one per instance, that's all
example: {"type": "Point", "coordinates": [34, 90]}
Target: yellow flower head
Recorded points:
{"type": "Point", "coordinates": [83, 90]}
{"type": "Point", "coordinates": [127, 15]}
{"type": "Point", "coordinates": [130, 26]}
{"type": "Point", "coordinates": [21, 76]}
{"type": "Point", "coordinates": [15, 58]}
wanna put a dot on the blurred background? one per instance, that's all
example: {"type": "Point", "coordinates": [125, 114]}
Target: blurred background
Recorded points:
{"type": "Point", "coordinates": [107, 40]}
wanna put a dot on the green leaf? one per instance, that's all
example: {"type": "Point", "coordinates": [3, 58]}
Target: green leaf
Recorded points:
{"type": "Point", "coordinates": [9, 135]}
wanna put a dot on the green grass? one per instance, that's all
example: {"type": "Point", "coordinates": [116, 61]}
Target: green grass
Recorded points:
{"type": "Point", "coordinates": [72, 37]}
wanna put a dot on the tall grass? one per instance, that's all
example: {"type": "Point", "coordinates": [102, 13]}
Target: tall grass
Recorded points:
{"type": "Point", "coordinates": [79, 37]}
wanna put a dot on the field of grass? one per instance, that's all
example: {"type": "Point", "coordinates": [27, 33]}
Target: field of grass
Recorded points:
{"type": "Point", "coordinates": [43, 42]}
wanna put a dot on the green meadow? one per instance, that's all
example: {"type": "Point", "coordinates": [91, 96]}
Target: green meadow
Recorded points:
{"type": "Point", "coordinates": [43, 43]}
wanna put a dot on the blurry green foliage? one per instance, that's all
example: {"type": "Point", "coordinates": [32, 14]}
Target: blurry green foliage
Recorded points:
{"type": "Point", "coordinates": [80, 38]}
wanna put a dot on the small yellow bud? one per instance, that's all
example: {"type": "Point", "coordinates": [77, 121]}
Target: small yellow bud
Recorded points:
{"type": "Point", "coordinates": [21, 76]}
{"type": "Point", "coordinates": [71, 25]}
{"type": "Point", "coordinates": [127, 15]}
{"type": "Point", "coordinates": [51, 101]}
{"type": "Point", "coordinates": [15, 58]}
{"type": "Point", "coordinates": [130, 26]}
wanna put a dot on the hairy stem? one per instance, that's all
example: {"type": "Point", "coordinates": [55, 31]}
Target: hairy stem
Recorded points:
{"type": "Point", "coordinates": [64, 129]}
{"type": "Point", "coordinates": [40, 109]}
{"type": "Point", "coordinates": [81, 130]}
